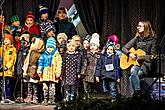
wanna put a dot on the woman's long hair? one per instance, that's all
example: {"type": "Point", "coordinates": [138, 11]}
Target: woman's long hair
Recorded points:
{"type": "Point", "coordinates": [148, 31]}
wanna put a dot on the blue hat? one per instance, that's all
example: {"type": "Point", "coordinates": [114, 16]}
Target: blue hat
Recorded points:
{"type": "Point", "coordinates": [51, 42]}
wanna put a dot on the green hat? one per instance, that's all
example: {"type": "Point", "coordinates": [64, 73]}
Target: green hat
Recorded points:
{"type": "Point", "coordinates": [14, 18]}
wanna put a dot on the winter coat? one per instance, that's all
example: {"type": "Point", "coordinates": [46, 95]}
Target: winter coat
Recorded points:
{"type": "Point", "coordinates": [149, 45]}
{"type": "Point", "coordinates": [101, 69]}
{"type": "Point", "coordinates": [22, 53]}
{"type": "Point", "coordinates": [89, 66]}
{"type": "Point", "coordinates": [9, 59]}
{"type": "Point", "coordinates": [32, 30]}
{"type": "Point", "coordinates": [63, 26]}
{"type": "Point", "coordinates": [31, 63]}
{"type": "Point", "coordinates": [70, 68]}
{"type": "Point", "coordinates": [49, 65]}
{"type": "Point", "coordinates": [43, 24]}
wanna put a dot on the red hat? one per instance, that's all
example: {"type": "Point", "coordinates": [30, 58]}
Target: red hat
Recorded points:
{"type": "Point", "coordinates": [9, 36]}
{"type": "Point", "coordinates": [114, 38]}
{"type": "Point", "coordinates": [29, 15]}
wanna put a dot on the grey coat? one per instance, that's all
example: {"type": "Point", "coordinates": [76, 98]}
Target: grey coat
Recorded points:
{"type": "Point", "coordinates": [149, 45]}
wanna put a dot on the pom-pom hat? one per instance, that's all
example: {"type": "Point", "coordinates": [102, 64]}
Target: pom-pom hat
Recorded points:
{"type": "Point", "coordinates": [114, 38]}
{"type": "Point", "coordinates": [43, 10]}
{"type": "Point", "coordinates": [95, 39]}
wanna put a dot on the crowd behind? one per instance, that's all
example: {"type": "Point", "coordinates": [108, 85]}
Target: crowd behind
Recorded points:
{"type": "Point", "coordinates": [47, 61]}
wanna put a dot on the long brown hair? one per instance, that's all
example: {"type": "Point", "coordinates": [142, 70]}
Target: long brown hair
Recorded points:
{"type": "Point", "coordinates": [148, 31]}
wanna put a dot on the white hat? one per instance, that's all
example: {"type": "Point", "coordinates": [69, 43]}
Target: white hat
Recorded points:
{"type": "Point", "coordinates": [95, 39]}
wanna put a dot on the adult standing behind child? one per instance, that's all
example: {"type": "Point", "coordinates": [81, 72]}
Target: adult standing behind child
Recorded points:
{"type": "Point", "coordinates": [62, 23]}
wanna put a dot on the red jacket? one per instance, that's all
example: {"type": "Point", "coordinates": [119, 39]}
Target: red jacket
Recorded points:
{"type": "Point", "coordinates": [32, 30]}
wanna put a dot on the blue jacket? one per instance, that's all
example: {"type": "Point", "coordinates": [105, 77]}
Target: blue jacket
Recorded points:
{"type": "Point", "coordinates": [101, 70]}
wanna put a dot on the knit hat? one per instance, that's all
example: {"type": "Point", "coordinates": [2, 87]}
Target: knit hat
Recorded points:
{"type": "Point", "coordinates": [62, 35]}
{"type": "Point", "coordinates": [14, 18]}
{"type": "Point", "coordinates": [9, 36]}
{"type": "Point", "coordinates": [51, 42]}
{"type": "Point", "coordinates": [29, 15]}
{"type": "Point", "coordinates": [110, 44]}
{"type": "Point", "coordinates": [113, 38]}
{"type": "Point", "coordinates": [48, 28]}
{"type": "Point", "coordinates": [87, 37]}
{"type": "Point", "coordinates": [95, 39]}
{"type": "Point", "coordinates": [43, 10]}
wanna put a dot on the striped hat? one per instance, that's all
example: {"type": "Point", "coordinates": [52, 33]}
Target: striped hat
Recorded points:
{"type": "Point", "coordinates": [48, 28]}
{"type": "Point", "coordinates": [14, 18]}
{"type": "Point", "coordinates": [43, 10]}
{"type": "Point", "coordinates": [51, 42]}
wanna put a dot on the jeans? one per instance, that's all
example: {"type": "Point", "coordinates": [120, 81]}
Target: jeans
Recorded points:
{"type": "Point", "coordinates": [136, 74]}
{"type": "Point", "coordinates": [110, 86]}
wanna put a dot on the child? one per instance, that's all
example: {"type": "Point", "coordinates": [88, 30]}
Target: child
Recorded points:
{"type": "Point", "coordinates": [16, 30]}
{"type": "Point", "coordinates": [90, 63]}
{"type": "Point", "coordinates": [22, 53]}
{"type": "Point", "coordinates": [9, 59]}
{"type": "Point", "coordinates": [62, 39]}
{"type": "Point", "coordinates": [86, 42]}
{"type": "Point", "coordinates": [49, 70]}
{"type": "Point", "coordinates": [30, 69]}
{"type": "Point", "coordinates": [44, 20]}
{"type": "Point", "coordinates": [107, 69]}
{"type": "Point", "coordinates": [30, 25]}
{"type": "Point", "coordinates": [71, 70]}
{"type": "Point", "coordinates": [49, 31]}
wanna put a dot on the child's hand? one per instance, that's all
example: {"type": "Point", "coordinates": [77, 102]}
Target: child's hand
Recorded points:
{"type": "Point", "coordinates": [57, 76]}
{"type": "Point", "coordinates": [40, 75]}
{"type": "Point", "coordinates": [79, 76]}
{"type": "Point", "coordinates": [97, 79]}
{"type": "Point", "coordinates": [118, 80]}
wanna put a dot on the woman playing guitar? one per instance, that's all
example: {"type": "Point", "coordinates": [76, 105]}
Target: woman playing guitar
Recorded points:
{"type": "Point", "coordinates": [146, 41]}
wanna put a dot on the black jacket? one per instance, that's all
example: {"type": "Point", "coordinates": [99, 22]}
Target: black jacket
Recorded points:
{"type": "Point", "coordinates": [63, 26]}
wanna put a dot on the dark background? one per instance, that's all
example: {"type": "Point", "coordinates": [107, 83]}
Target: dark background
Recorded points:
{"type": "Point", "coordinates": [106, 17]}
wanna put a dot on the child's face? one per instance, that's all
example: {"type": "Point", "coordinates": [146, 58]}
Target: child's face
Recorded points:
{"type": "Point", "coordinates": [86, 44]}
{"type": "Point", "coordinates": [50, 33]}
{"type": "Point", "coordinates": [77, 40]}
{"type": "Point", "coordinates": [16, 23]}
{"type": "Point", "coordinates": [109, 50]}
{"type": "Point", "coordinates": [29, 21]}
{"type": "Point", "coordinates": [7, 41]}
{"type": "Point", "coordinates": [60, 40]}
{"type": "Point", "coordinates": [93, 47]}
{"type": "Point", "coordinates": [62, 14]}
{"type": "Point", "coordinates": [44, 16]}
{"type": "Point", "coordinates": [50, 49]}
{"type": "Point", "coordinates": [71, 48]}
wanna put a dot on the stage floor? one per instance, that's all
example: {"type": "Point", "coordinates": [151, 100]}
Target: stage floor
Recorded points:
{"type": "Point", "coordinates": [24, 106]}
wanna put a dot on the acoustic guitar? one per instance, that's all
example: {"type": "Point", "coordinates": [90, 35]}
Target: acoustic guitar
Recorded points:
{"type": "Point", "coordinates": [126, 62]}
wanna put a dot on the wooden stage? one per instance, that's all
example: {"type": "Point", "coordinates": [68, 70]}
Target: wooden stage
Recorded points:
{"type": "Point", "coordinates": [24, 106]}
